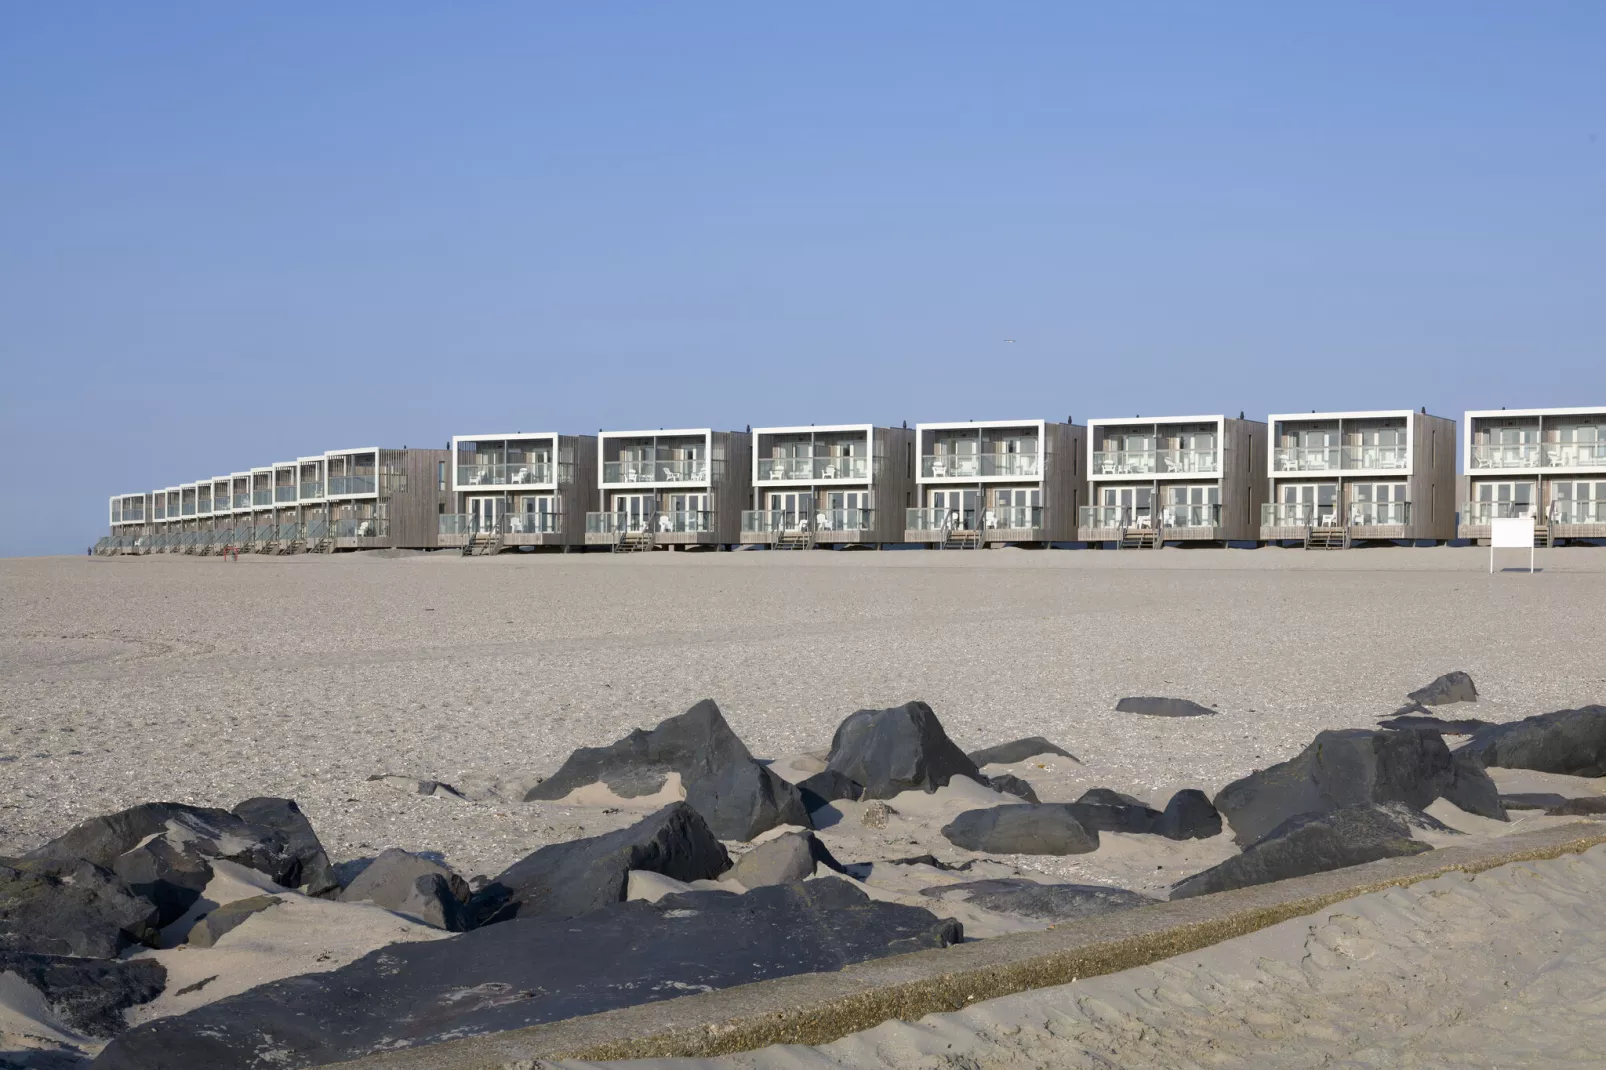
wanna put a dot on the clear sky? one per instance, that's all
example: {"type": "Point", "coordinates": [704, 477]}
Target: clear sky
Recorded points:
{"type": "Point", "coordinates": [235, 234]}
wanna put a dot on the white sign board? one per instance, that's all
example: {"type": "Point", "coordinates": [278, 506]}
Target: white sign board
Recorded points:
{"type": "Point", "coordinates": [1511, 533]}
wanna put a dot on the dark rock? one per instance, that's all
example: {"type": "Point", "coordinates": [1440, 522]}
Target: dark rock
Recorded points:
{"type": "Point", "coordinates": [88, 995]}
{"type": "Point", "coordinates": [408, 785]}
{"type": "Point", "coordinates": [736, 796]}
{"type": "Point", "coordinates": [565, 879]}
{"type": "Point", "coordinates": [1188, 816]}
{"type": "Point", "coordinates": [1464, 727]}
{"type": "Point", "coordinates": [169, 877]}
{"type": "Point", "coordinates": [1589, 806]}
{"type": "Point", "coordinates": [1163, 707]}
{"type": "Point", "coordinates": [823, 789]}
{"type": "Point", "coordinates": [301, 842]}
{"type": "Point", "coordinates": [1567, 741]}
{"type": "Point", "coordinates": [1533, 800]}
{"type": "Point", "coordinates": [1352, 767]}
{"type": "Point", "coordinates": [410, 884]}
{"type": "Point", "coordinates": [1026, 829]}
{"type": "Point", "coordinates": [1309, 843]}
{"type": "Point", "coordinates": [1120, 817]}
{"type": "Point", "coordinates": [1044, 902]}
{"type": "Point", "coordinates": [1018, 751]}
{"type": "Point", "coordinates": [225, 919]}
{"type": "Point", "coordinates": [1451, 687]}
{"type": "Point", "coordinates": [1108, 797]}
{"type": "Point", "coordinates": [70, 907]}
{"type": "Point", "coordinates": [531, 971]}
{"type": "Point", "coordinates": [786, 858]}
{"type": "Point", "coordinates": [900, 749]}
{"type": "Point", "coordinates": [201, 831]}
{"type": "Point", "coordinates": [1009, 784]}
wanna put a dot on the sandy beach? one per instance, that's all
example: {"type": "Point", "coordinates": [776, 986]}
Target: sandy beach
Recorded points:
{"type": "Point", "coordinates": [197, 680]}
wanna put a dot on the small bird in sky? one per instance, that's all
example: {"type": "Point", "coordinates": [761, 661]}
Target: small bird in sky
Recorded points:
{"type": "Point", "coordinates": [1009, 339]}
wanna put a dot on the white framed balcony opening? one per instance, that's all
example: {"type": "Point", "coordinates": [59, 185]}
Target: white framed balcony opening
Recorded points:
{"type": "Point", "coordinates": [1503, 498]}
{"type": "Point", "coordinates": [1126, 506]}
{"type": "Point", "coordinates": [1192, 505]}
{"type": "Point", "coordinates": [1578, 501]}
{"type": "Point", "coordinates": [685, 512]}
{"type": "Point", "coordinates": [635, 511]}
{"type": "Point", "coordinates": [1015, 508]}
{"type": "Point", "coordinates": [790, 510]}
{"type": "Point", "coordinates": [485, 512]}
{"type": "Point", "coordinates": [845, 510]}
{"type": "Point", "coordinates": [1375, 504]}
{"type": "Point", "coordinates": [536, 514]}
{"type": "Point", "coordinates": [954, 508]}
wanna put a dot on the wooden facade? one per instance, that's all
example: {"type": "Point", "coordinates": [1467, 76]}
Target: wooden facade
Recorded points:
{"type": "Point", "coordinates": [829, 485]}
{"type": "Point", "coordinates": [671, 488]}
{"type": "Point", "coordinates": [999, 482]}
{"type": "Point", "coordinates": [1549, 464]}
{"type": "Point", "coordinates": [520, 489]}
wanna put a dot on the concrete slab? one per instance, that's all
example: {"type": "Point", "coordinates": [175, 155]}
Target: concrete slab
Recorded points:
{"type": "Point", "coordinates": [817, 1008]}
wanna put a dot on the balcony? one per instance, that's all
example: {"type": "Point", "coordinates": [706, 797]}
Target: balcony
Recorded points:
{"type": "Point", "coordinates": [1378, 514]}
{"type": "Point", "coordinates": [242, 501]}
{"type": "Point", "coordinates": [1013, 517]}
{"type": "Point", "coordinates": [981, 465]}
{"type": "Point", "coordinates": [770, 521]}
{"type": "Point", "coordinates": [1483, 512]}
{"type": "Point", "coordinates": [1298, 515]}
{"type": "Point", "coordinates": [1155, 462]}
{"type": "Point", "coordinates": [809, 469]}
{"type": "Point", "coordinates": [1574, 455]}
{"type": "Point", "coordinates": [939, 520]}
{"type": "Point", "coordinates": [452, 524]}
{"type": "Point", "coordinates": [262, 497]}
{"type": "Point", "coordinates": [1521, 455]}
{"type": "Point", "coordinates": [284, 493]}
{"type": "Point", "coordinates": [1339, 458]}
{"type": "Point", "coordinates": [311, 489]}
{"type": "Point", "coordinates": [346, 485]}
{"type": "Point", "coordinates": [1578, 512]}
{"type": "Point", "coordinates": [1190, 516]}
{"type": "Point", "coordinates": [693, 471]}
{"type": "Point", "coordinates": [516, 474]}
{"type": "Point", "coordinates": [371, 527]}
{"type": "Point", "coordinates": [533, 523]}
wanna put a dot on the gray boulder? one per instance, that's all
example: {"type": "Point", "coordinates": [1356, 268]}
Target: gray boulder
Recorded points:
{"type": "Point", "coordinates": [1353, 767]}
{"type": "Point", "coordinates": [1451, 687]}
{"type": "Point", "coordinates": [1026, 829]}
{"type": "Point", "coordinates": [410, 884]}
{"type": "Point", "coordinates": [786, 858]}
{"type": "Point", "coordinates": [1110, 811]}
{"type": "Point", "coordinates": [211, 928]}
{"type": "Point", "coordinates": [171, 878]}
{"type": "Point", "coordinates": [562, 880]}
{"type": "Point", "coordinates": [532, 971]}
{"type": "Point", "coordinates": [70, 907]}
{"type": "Point", "coordinates": [1465, 726]}
{"type": "Point", "coordinates": [1018, 751]}
{"type": "Point", "coordinates": [1532, 800]}
{"type": "Point", "coordinates": [1042, 902]}
{"type": "Point", "coordinates": [1309, 843]}
{"type": "Point", "coordinates": [314, 873]}
{"type": "Point", "coordinates": [1010, 784]}
{"type": "Point", "coordinates": [1567, 741]}
{"type": "Point", "coordinates": [736, 796]}
{"type": "Point", "coordinates": [1188, 816]}
{"type": "Point", "coordinates": [1588, 806]}
{"type": "Point", "coordinates": [1163, 707]}
{"type": "Point", "coordinates": [895, 750]}
{"type": "Point", "coordinates": [199, 831]}
{"type": "Point", "coordinates": [88, 995]}
{"type": "Point", "coordinates": [823, 789]}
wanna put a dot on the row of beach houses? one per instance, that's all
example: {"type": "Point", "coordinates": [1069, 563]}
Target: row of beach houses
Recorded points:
{"type": "Point", "coordinates": [1319, 480]}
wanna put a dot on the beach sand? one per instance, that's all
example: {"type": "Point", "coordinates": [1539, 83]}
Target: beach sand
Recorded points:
{"type": "Point", "coordinates": [124, 680]}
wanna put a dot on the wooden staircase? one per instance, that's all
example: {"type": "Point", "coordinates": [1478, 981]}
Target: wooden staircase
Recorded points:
{"type": "Point", "coordinates": [1331, 537]}
{"type": "Point", "coordinates": [1140, 538]}
{"type": "Point", "coordinates": [961, 539]}
{"type": "Point", "coordinates": [1542, 536]}
{"type": "Point", "coordinates": [483, 544]}
{"type": "Point", "coordinates": [793, 540]}
{"type": "Point", "coordinates": [634, 542]}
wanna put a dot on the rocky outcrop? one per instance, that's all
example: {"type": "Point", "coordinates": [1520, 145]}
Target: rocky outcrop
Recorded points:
{"type": "Point", "coordinates": [562, 880]}
{"type": "Point", "coordinates": [211, 928]}
{"type": "Point", "coordinates": [789, 857]}
{"type": "Point", "coordinates": [412, 885]}
{"type": "Point", "coordinates": [1354, 767]}
{"type": "Point", "coordinates": [87, 995]}
{"type": "Point", "coordinates": [170, 877]}
{"type": "Point", "coordinates": [531, 971]}
{"type": "Point", "coordinates": [1407, 718]}
{"type": "Point", "coordinates": [1163, 707]}
{"type": "Point", "coordinates": [824, 788]}
{"type": "Point", "coordinates": [1009, 784]}
{"type": "Point", "coordinates": [736, 796]}
{"type": "Point", "coordinates": [1451, 687]}
{"type": "Point", "coordinates": [70, 907]}
{"type": "Point", "coordinates": [1188, 816]}
{"type": "Point", "coordinates": [895, 750]}
{"type": "Point", "coordinates": [314, 874]}
{"type": "Point", "coordinates": [1567, 741]}
{"type": "Point", "coordinates": [1309, 843]}
{"type": "Point", "coordinates": [1018, 751]}
{"type": "Point", "coordinates": [1026, 829]}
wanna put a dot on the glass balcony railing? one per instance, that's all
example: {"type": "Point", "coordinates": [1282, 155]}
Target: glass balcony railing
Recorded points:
{"type": "Point", "coordinates": [1373, 458]}
{"type": "Point", "coordinates": [533, 523]}
{"type": "Point", "coordinates": [939, 519]}
{"type": "Point", "coordinates": [1377, 514]}
{"type": "Point", "coordinates": [203, 506]}
{"type": "Point", "coordinates": [1483, 512]}
{"type": "Point", "coordinates": [1308, 458]}
{"type": "Point", "coordinates": [264, 533]}
{"type": "Point", "coordinates": [507, 475]}
{"type": "Point", "coordinates": [189, 508]}
{"type": "Point", "coordinates": [655, 471]}
{"type": "Point", "coordinates": [1578, 512]}
{"type": "Point", "coordinates": [844, 519]}
{"type": "Point", "coordinates": [769, 521]}
{"type": "Point", "coordinates": [686, 521]}
{"type": "Point", "coordinates": [1013, 517]}
{"type": "Point", "coordinates": [1520, 455]}
{"type": "Point", "coordinates": [808, 469]}
{"type": "Point", "coordinates": [370, 527]}
{"type": "Point", "coordinates": [317, 529]}
{"type": "Point", "coordinates": [284, 493]}
{"type": "Point", "coordinates": [311, 488]}
{"type": "Point", "coordinates": [453, 524]}
{"type": "Point", "coordinates": [613, 523]}
{"type": "Point", "coordinates": [1190, 516]}
{"type": "Point", "coordinates": [242, 501]}
{"type": "Point", "coordinates": [1124, 462]}
{"type": "Point", "coordinates": [980, 465]}
{"type": "Point", "coordinates": [1297, 515]}
{"type": "Point", "coordinates": [262, 497]}
{"type": "Point", "coordinates": [347, 485]}
{"type": "Point", "coordinates": [1116, 516]}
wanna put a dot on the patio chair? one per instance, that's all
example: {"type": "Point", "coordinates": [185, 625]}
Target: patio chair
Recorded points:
{"type": "Point", "coordinates": [938, 469]}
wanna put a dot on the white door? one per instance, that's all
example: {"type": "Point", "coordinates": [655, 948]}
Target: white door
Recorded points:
{"type": "Point", "coordinates": [1128, 505]}
{"type": "Point", "coordinates": [794, 507]}
{"type": "Point", "coordinates": [484, 513]}
{"type": "Point", "coordinates": [1504, 499]}
{"type": "Point", "coordinates": [687, 512]}
{"type": "Point", "coordinates": [959, 505]}
{"type": "Point", "coordinates": [1015, 507]}
{"type": "Point", "coordinates": [1193, 506]}
{"type": "Point", "coordinates": [633, 510]}
{"type": "Point", "coordinates": [846, 509]}
{"type": "Point", "coordinates": [539, 514]}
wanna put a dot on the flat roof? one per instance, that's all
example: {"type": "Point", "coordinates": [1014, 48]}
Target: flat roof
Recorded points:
{"type": "Point", "coordinates": [812, 427]}
{"type": "Point", "coordinates": [508, 434]}
{"type": "Point", "coordinates": [1158, 419]}
{"type": "Point", "coordinates": [1367, 414]}
{"type": "Point", "coordinates": [661, 431]}
{"type": "Point", "coordinates": [1570, 410]}
{"type": "Point", "coordinates": [952, 425]}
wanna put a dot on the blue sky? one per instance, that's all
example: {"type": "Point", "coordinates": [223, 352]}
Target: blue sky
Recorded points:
{"type": "Point", "coordinates": [231, 235]}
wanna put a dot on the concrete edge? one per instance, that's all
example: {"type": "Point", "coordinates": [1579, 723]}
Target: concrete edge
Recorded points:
{"type": "Point", "coordinates": [821, 1007]}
